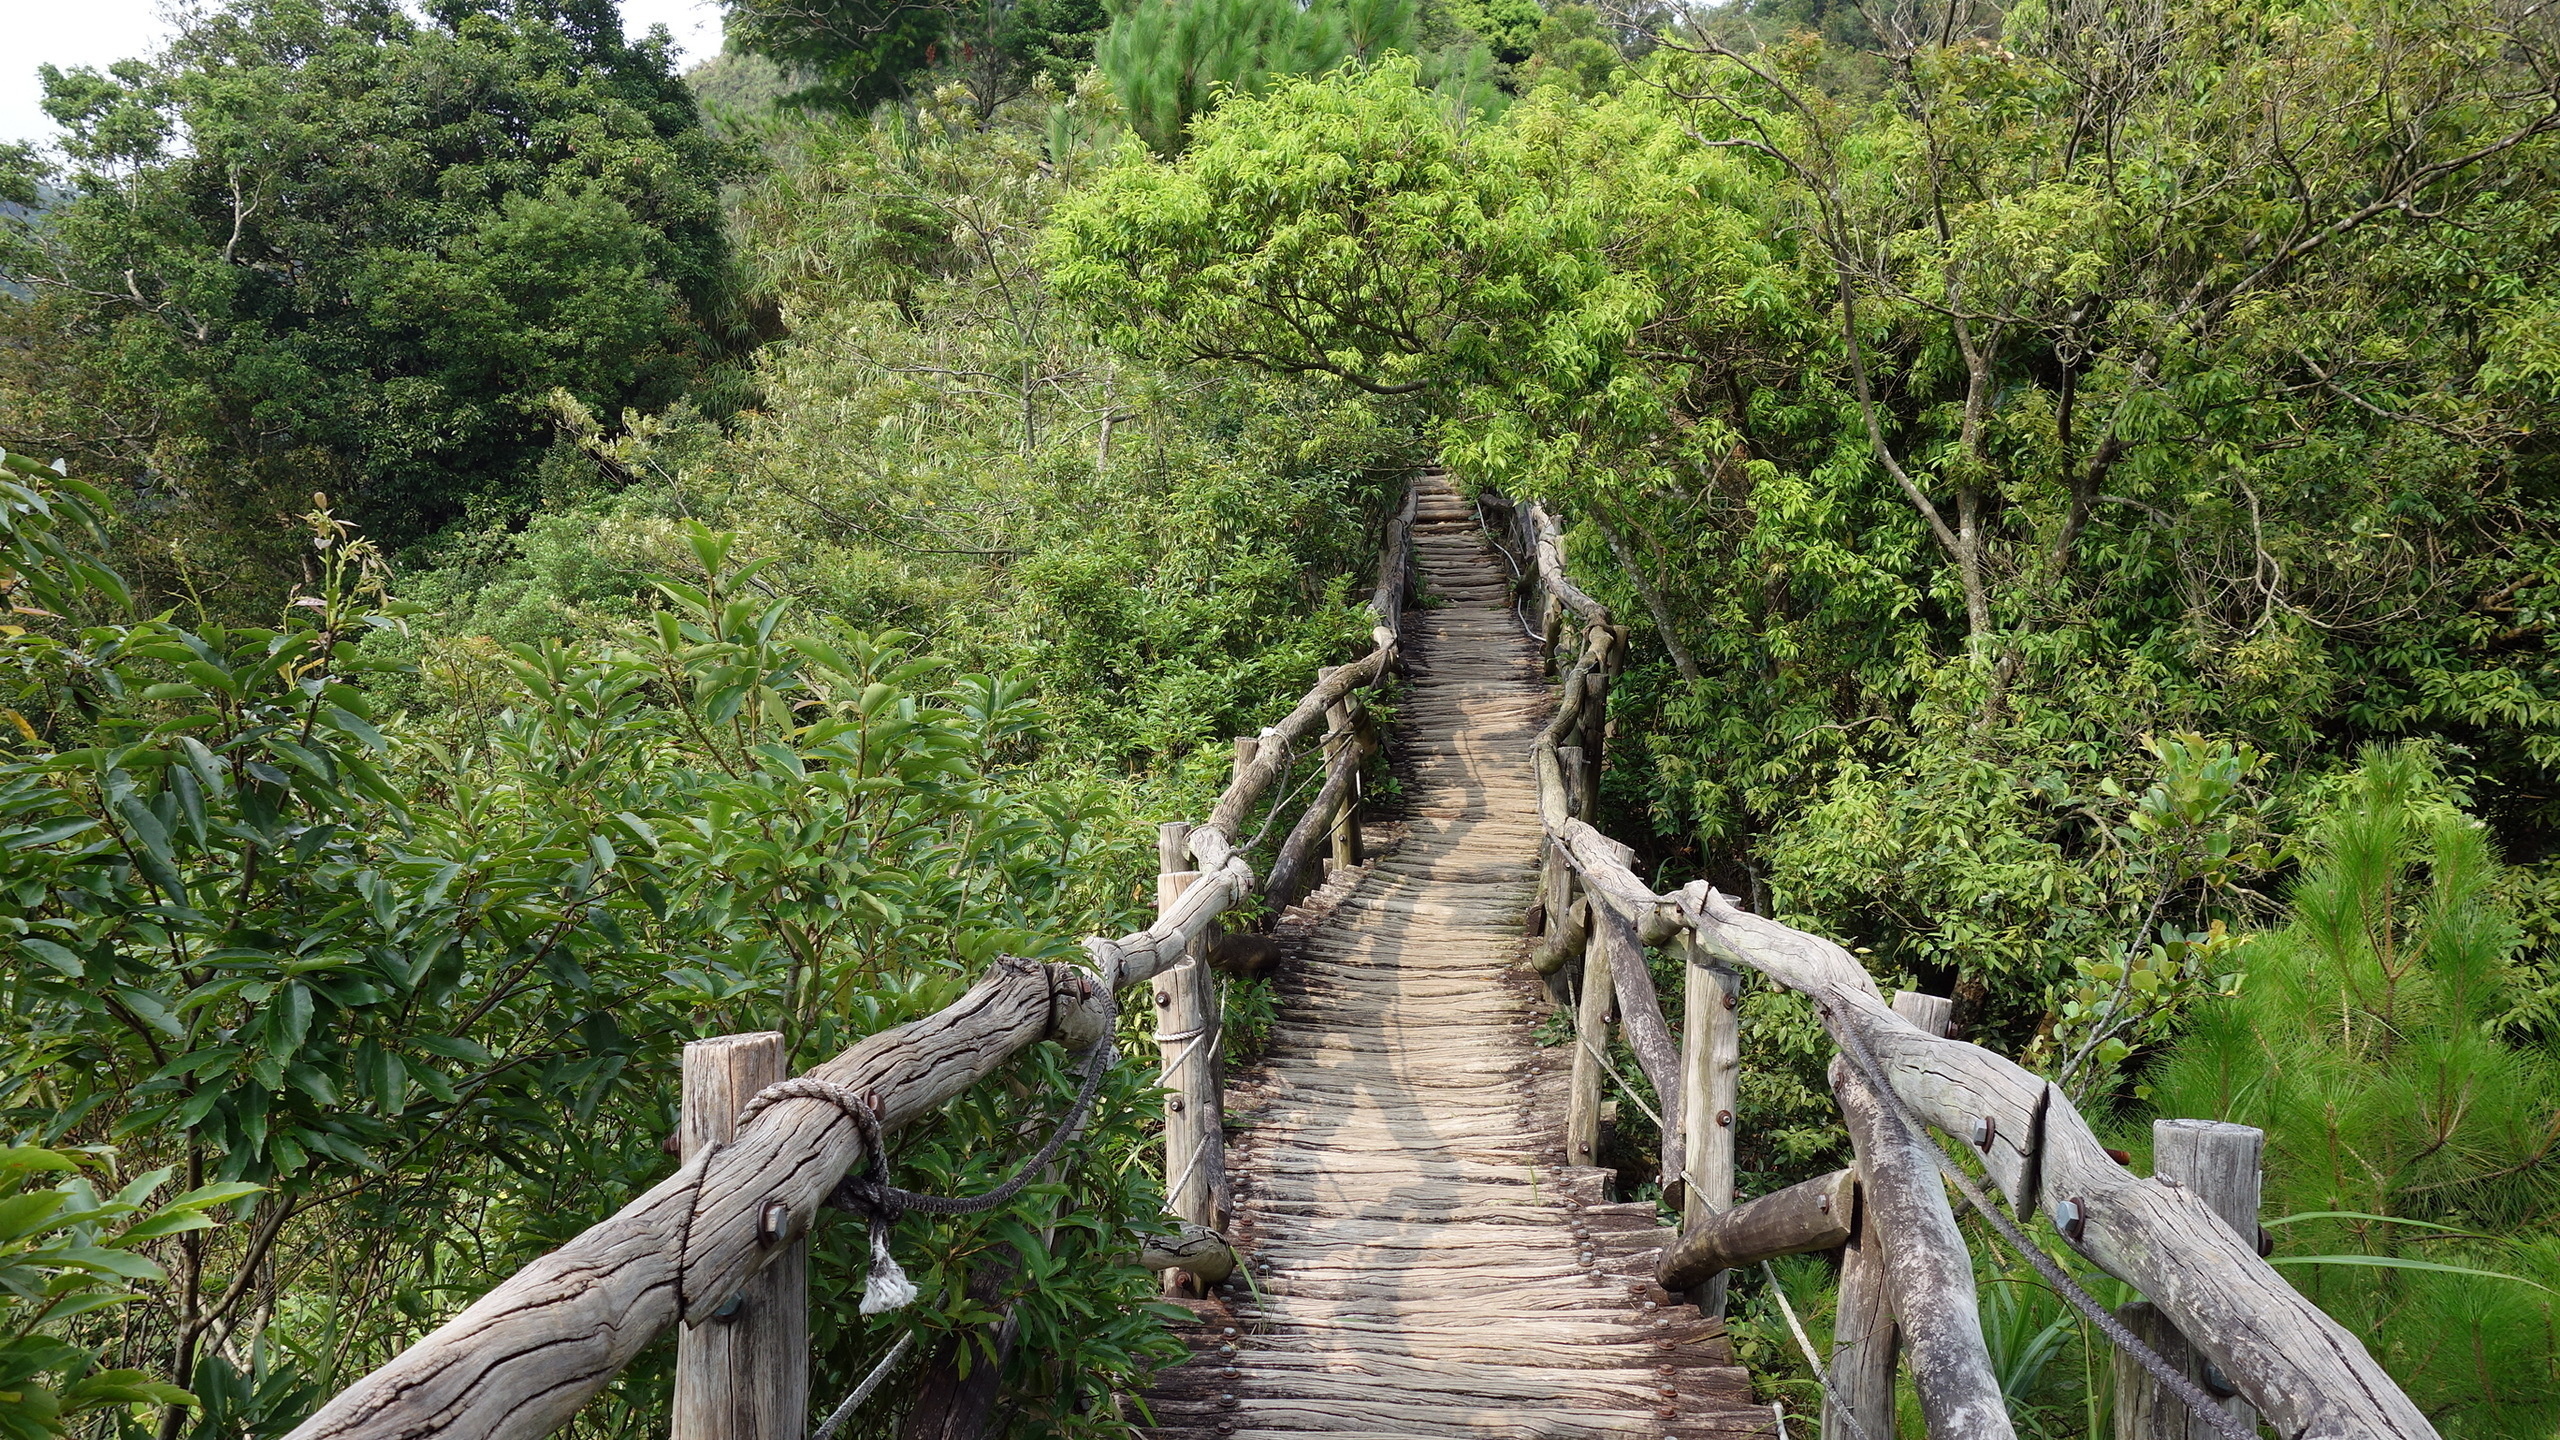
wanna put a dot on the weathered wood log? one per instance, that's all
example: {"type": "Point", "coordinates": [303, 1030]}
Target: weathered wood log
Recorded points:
{"type": "Point", "coordinates": [1591, 1042]}
{"type": "Point", "coordinates": [1551, 571]}
{"type": "Point", "coordinates": [1640, 1018]}
{"type": "Point", "coordinates": [1929, 1014]}
{"type": "Point", "coordinates": [1710, 1079]}
{"type": "Point", "coordinates": [520, 1361]}
{"type": "Point", "coordinates": [1565, 937]}
{"type": "Point", "coordinates": [1292, 869]}
{"type": "Point", "coordinates": [1927, 1265]}
{"type": "Point", "coordinates": [1186, 1009]}
{"type": "Point", "coordinates": [2219, 1163]}
{"type": "Point", "coordinates": [1193, 1248]}
{"type": "Point", "coordinates": [1395, 565]}
{"type": "Point", "coordinates": [1342, 818]}
{"type": "Point", "coordinates": [1798, 1220]}
{"type": "Point", "coordinates": [2305, 1373]}
{"type": "Point", "coordinates": [1271, 757]}
{"type": "Point", "coordinates": [745, 1376]}
{"type": "Point", "coordinates": [1865, 1341]}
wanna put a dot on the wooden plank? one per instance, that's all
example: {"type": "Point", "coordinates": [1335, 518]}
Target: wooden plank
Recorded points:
{"type": "Point", "coordinates": [1813, 1215]}
{"type": "Point", "coordinates": [1927, 1266]}
{"type": "Point", "coordinates": [744, 1376]}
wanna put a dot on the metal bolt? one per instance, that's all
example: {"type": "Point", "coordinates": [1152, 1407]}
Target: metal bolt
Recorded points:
{"type": "Point", "coordinates": [1163, 999]}
{"type": "Point", "coordinates": [1985, 1130]}
{"type": "Point", "coordinates": [2217, 1384]}
{"type": "Point", "coordinates": [2266, 1242]}
{"type": "Point", "coordinates": [773, 1222]}
{"type": "Point", "coordinates": [2071, 1218]}
{"type": "Point", "coordinates": [1725, 1118]}
{"type": "Point", "coordinates": [730, 1307]}
{"type": "Point", "coordinates": [1174, 1104]}
{"type": "Point", "coordinates": [1823, 1204]}
{"type": "Point", "coordinates": [1732, 1003]}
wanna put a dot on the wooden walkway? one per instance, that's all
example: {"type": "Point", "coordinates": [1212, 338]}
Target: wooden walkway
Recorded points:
{"type": "Point", "coordinates": [1426, 1263]}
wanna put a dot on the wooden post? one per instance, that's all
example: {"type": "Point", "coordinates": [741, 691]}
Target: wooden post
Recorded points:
{"type": "Point", "coordinates": [1340, 735]}
{"type": "Point", "coordinates": [1934, 1014]}
{"type": "Point", "coordinates": [1591, 1031]}
{"type": "Point", "coordinates": [1577, 781]}
{"type": "Point", "coordinates": [2220, 1163]}
{"type": "Point", "coordinates": [744, 1376]}
{"type": "Point", "coordinates": [1865, 1342]}
{"type": "Point", "coordinates": [1186, 1006]}
{"type": "Point", "coordinates": [1246, 748]}
{"type": "Point", "coordinates": [1710, 1076]}
{"type": "Point", "coordinates": [1902, 1199]}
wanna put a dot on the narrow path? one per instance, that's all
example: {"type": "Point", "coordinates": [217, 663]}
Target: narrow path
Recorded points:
{"type": "Point", "coordinates": [1426, 1263]}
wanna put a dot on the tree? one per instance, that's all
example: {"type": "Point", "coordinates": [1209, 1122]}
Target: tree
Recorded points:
{"type": "Point", "coordinates": [2389, 1041]}
{"type": "Point", "coordinates": [859, 53]}
{"type": "Point", "coordinates": [1171, 60]}
{"type": "Point", "coordinates": [322, 244]}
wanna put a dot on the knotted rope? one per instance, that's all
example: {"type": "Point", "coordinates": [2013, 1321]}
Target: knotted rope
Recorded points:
{"type": "Point", "coordinates": [870, 1195]}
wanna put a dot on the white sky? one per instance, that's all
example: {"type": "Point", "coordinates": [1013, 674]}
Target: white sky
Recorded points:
{"type": "Point", "coordinates": [100, 32]}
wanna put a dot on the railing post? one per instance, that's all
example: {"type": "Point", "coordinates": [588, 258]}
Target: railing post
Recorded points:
{"type": "Point", "coordinates": [1187, 1044]}
{"type": "Point", "coordinates": [743, 1375]}
{"type": "Point", "coordinates": [1340, 734]}
{"type": "Point", "coordinates": [1866, 1341]}
{"type": "Point", "coordinates": [2220, 1163]}
{"type": "Point", "coordinates": [1591, 1042]}
{"type": "Point", "coordinates": [1710, 1076]}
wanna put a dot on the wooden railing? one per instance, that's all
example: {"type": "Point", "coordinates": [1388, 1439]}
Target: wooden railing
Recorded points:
{"type": "Point", "coordinates": [2179, 1237]}
{"type": "Point", "coordinates": [520, 1361]}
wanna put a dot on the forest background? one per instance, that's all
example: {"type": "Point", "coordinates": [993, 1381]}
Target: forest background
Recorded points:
{"type": "Point", "coordinates": [521, 558]}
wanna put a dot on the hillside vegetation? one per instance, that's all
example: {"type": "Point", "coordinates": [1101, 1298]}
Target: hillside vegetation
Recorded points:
{"type": "Point", "coordinates": [546, 562]}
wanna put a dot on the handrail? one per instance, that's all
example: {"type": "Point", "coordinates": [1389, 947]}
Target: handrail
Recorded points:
{"type": "Point", "coordinates": [2303, 1371]}
{"type": "Point", "coordinates": [521, 1360]}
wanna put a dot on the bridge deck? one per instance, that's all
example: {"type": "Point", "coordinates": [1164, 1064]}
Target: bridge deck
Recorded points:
{"type": "Point", "coordinates": [1426, 1263]}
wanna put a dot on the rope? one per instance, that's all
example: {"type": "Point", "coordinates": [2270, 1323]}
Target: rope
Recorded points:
{"type": "Point", "coordinates": [1900, 1116]}
{"type": "Point", "coordinates": [862, 1392]}
{"type": "Point", "coordinates": [1821, 1377]}
{"type": "Point", "coordinates": [881, 1204]}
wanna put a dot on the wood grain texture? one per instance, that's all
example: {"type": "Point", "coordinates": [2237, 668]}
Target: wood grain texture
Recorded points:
{"type": "Point", "coordinates": [519, 1362]}
{"type": "Point", "coordinates": [744, 1376]}
{"type": "Point", "coordinates": [1866, 1344]}
{"type": "Point", "coordinates": [1425, 1266]}
{"type": "Point", "coordinates": [1927, 1268]}
{"type": "Point", "coordinates": [1710, 1094]}
{"type": "Point", "coordinates": [1813, 1215]}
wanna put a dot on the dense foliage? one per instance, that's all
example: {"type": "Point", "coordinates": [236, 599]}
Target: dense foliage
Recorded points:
{"type": "Point", "coordinates": [2080, 475]}
{"type": "Point", "coordinates": [325, 244]}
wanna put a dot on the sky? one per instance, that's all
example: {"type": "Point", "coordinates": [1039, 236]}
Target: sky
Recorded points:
{"type": "Point", "coordinates": [99, 32]}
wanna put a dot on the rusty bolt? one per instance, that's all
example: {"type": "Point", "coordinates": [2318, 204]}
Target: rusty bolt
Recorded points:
{"type": "Point", "coordinates": [1985, 1130]}
{"type": "Point", "coordinates": [1725, 1118]}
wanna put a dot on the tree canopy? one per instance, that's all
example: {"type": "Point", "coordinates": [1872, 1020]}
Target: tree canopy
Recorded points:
{"type": "Point", "coordinates": [328, 244]}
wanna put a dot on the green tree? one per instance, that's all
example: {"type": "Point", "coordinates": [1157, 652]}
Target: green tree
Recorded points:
{"type": "Point", "coordinates": [855, 54]}
{"type": "Point", "coordinates": [2413, 1125]}
{"type": "Point", "coordinates": [1172, 60]}
{"type": "Point", "coordinates": [323, 243]}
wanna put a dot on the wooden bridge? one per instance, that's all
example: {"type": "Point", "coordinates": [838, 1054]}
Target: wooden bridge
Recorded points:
{"type": "Point", "coordinates": [1430, 1249]}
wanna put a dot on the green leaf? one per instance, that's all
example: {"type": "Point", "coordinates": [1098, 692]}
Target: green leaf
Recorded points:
{"type": "Point", "coordinates": [2379, 1219]}
{"type": "Point", "coordinates": [53, 955]}
{"type": "Point", "coordinates": [2394, 1262]}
